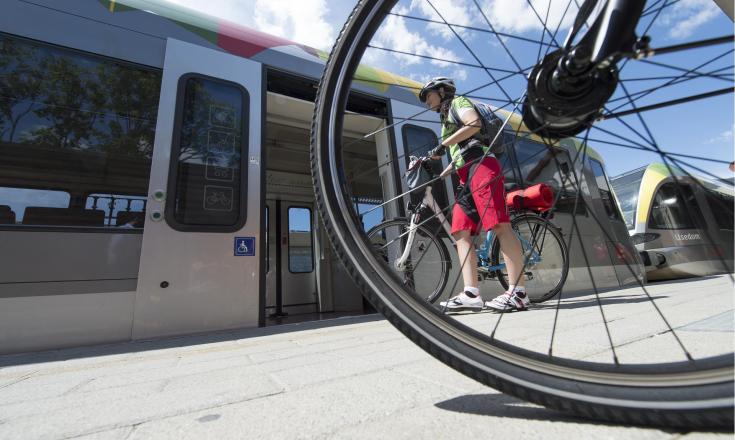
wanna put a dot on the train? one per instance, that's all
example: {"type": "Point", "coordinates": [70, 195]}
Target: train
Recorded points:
{"type": "Point", "coordinates": [154, 177]}
{"type": "Point", "coordinates": [681, 224]}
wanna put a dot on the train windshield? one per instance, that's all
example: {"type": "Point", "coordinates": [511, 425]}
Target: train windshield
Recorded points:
{"type": "Point", "coordinates": [626, 188]}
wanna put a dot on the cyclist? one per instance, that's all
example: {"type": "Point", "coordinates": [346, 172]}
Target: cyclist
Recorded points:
{"type": "Point", "coordinates": [486, 186]}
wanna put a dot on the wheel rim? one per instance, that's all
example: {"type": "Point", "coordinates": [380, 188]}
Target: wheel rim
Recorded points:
{"type": "Point", "coordinates": [709, 370]}
{"type": "Point", "coordinates": [425, 269]}
{"type": "Point", "coordinates": [545, 252]}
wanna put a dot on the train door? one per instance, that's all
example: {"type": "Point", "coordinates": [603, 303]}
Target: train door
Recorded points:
{"type": "Point", "coordinates": [199, 267]}
{"type": "Point", "coordinates": [291, 286]}
{"type": "Point", "coordinates": [271, 260]}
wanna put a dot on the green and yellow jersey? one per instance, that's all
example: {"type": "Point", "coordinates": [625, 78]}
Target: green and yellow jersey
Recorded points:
{"type": "Point", "coordinates": [460, 105]}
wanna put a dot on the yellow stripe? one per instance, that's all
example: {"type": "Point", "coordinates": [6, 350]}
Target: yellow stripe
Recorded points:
{"type": "Point", "coordinates": [112, 5]}
{"type": "Point", "coordinates": [651, 179]}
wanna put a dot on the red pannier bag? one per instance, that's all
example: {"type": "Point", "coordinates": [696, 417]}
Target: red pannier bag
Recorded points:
{"type": "Point", "coordinates": [537, 197]}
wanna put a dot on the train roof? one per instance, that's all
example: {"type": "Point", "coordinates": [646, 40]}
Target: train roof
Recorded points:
{"type": "Point", "coordinates": [218, 33]}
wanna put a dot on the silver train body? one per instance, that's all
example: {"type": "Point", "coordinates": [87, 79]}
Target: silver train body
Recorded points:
{"type": "Point", "coordinates": [154, 177]}
{"type": "Point", "coordinates": [681, 224]}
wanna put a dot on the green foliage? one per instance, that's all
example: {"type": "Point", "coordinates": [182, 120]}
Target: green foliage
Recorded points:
{"type": "Point", "coordinates": [72, 101]}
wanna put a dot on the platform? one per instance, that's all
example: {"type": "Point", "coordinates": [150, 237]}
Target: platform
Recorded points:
{"type": "Point", "coordinates": [350, 377]}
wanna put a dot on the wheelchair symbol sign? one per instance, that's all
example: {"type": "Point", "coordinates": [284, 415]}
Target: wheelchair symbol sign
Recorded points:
{"type": "Point", "coordinates": [244, 246]}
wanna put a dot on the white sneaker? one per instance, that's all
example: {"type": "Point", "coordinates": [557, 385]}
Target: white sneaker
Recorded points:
{"type": "Point", "coordinates": [508, 302]}
{"type": "Point", "coordinates": [463, 302]}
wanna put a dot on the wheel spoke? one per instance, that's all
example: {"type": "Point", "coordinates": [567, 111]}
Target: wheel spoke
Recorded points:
{"type": "Point", "coordinates": [504, 77]}
{"type": "Point", "coordinates": [668, 103]}
{"type": "Point", "coordinates": [466, 46]}
{"type": "Point", "coordinates": [471, 28]}
{"type": "Point", "coordinates": [690, 45]}
{"type": "Point", "coordinates": [680, 79]}
{"type": "Point", "coordinates": [583, 151]}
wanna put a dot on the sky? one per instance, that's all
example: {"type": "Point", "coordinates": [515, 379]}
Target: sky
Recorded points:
{"type": "Point", "coordinates": [701, 128]}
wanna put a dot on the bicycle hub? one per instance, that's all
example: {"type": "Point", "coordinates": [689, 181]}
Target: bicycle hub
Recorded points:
{"type": "Point", "coordinates": [566, 93]}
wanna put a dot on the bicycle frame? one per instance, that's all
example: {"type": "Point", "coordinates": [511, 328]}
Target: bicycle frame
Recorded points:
{"type": "Point", "coordinates": [430, 202]}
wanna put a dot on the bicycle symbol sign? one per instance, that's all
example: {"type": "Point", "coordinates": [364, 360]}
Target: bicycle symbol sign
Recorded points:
{"type": "Point", "coordinates": [244, 246]}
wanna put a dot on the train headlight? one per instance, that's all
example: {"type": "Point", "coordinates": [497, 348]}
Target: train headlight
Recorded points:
{"type": "Point", "coordinates": [643, 238]}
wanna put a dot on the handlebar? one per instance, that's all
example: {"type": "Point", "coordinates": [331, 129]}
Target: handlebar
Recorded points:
{"type": "Point", "coordinates": [421, 160]}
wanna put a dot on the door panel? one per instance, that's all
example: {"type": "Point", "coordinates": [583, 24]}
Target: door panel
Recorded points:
{"type": "Point", "coordinates": [191, 280]}
{"type": "Point", "coordinates": [298, 268]}
{"type": "Point", "coordinates": [291, 286]}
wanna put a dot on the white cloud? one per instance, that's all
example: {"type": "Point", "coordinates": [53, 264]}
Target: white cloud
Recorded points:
{"type": "Point", "coordinates": [394, 34]}
{"type": "Point", "coordinates": [685, 16]}
{"type": "Point", "coordinates": [302, 21]}
{"type": "Point", "coordinates": [461, 12]}
{"type": "Point", "coordinates": [725, 136]}
{"type": "Point", "coordinates": [459, 75]}
{"type": "Point", "coordinates": [514, 16]}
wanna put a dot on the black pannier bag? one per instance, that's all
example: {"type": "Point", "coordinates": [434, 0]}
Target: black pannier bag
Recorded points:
{"type": "Point", "coordinates": [417, 178]}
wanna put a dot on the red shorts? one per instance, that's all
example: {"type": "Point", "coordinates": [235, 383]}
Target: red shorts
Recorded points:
{"type": "Point", "coordinates": [488, 191]}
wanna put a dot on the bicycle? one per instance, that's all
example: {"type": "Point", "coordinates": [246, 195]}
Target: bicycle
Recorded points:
{"type": "Point", "coordinates": [576, 87]}
{"type": "Point", "coordinates": [421, 259]}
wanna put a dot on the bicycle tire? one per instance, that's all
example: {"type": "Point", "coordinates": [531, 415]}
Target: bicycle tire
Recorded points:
{"type": "Point", "coordinates": [673, 394]}
{"type": "Point", "coordinates": [427, 260]}
{"type": "Point", "coordinates": [554, 233]}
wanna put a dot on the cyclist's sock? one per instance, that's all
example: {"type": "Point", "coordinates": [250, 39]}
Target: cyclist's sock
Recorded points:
{"type": "Point", "coordinates": [472, 292]}
{"type": "Point", "coordinates": [518, 290]}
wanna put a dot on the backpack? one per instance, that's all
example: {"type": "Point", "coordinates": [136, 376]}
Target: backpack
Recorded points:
{"type": "Point", "coordinates": [491, 125]}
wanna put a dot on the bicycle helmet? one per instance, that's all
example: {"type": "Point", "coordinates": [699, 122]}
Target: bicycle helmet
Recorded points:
{"type": "Point", "coordinates": [437, 83]}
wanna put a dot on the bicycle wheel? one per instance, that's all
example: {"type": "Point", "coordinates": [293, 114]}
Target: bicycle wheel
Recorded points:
{"type": "Point", "coordinates": [548, 261]}
{"type": "Point", "coordinates": [628, 354]}
{"type": "Point", "coordinates": [424, 268]}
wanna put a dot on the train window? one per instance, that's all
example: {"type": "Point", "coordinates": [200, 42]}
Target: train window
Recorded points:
{"type": "Point", "coordinates": [722, 206]}
{"type": "Point", "coordinates": [606, 195]}
{"type": "Point", "coordinates": [72, 124]}
{"type": "Point", "coordinates": [300, 244]}
{"type": "Point", "coordinates": [121, 211]}
{"type": "Point", "coordinates": [675, 209]}
{"type": "Point", "coordinates": [15, 201]}
{"type": "Point", "coordinates": [208, 169]}
{"type": "Point", "coordinates": [550, 165]}
{"type": "Point", "coordinates": [503, 157]}
{"type": "Point", "coordinates": [626, 189]}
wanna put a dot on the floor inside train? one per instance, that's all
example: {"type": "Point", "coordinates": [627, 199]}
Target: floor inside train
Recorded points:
{"type": "Point", "coordinates": [272, 319]}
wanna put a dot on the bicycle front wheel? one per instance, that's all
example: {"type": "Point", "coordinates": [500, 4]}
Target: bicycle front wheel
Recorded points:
{"type": "Point", "coordinates": [419, 259]}
{"type": "Point", "coordinates": [616, 349]}
{"type": "Point", "coordinates": [546, 260]}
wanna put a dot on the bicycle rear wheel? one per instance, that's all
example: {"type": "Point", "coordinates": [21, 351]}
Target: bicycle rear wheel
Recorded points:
{"type": "Point", "coordinates": [682, 383]}
{"type": "Point", "coordinates": [425, 269]}
{"type": "Point", "coordinates": [546, 254]}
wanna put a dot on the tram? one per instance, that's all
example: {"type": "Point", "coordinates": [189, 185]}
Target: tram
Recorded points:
{"type": "Point", "coordinates": [681, 224]}
{"type": "Point", "coordinates": [154, 176]}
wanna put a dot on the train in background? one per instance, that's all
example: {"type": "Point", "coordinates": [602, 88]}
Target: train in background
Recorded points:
{"type": "Point", "coordinates": [681, 224]}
